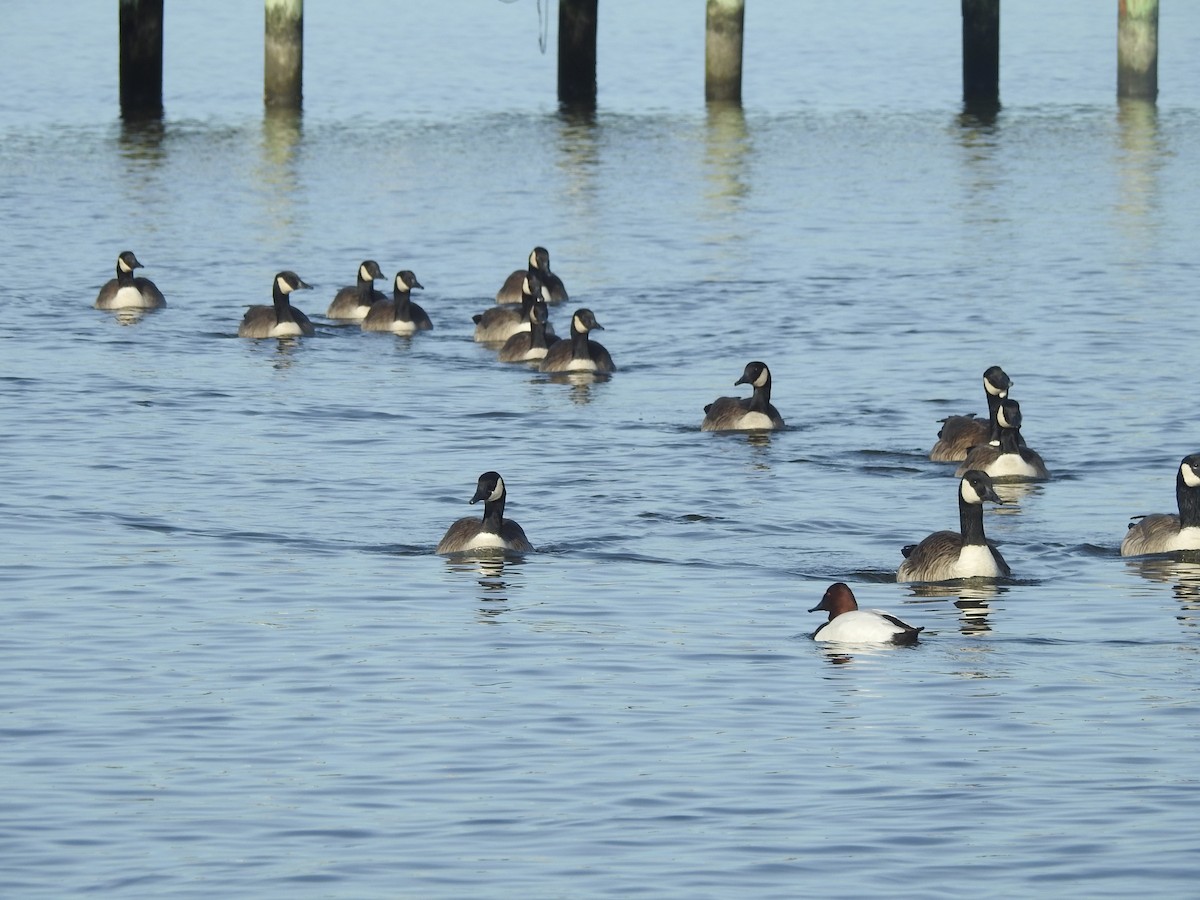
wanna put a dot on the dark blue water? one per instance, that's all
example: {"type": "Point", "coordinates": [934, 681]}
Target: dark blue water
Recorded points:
{"type": "Point", "coordinates": [232, 663]}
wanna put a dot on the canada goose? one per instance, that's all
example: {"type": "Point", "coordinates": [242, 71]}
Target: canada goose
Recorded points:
{"type": "Point", "coordinates": [959, 434]}
{"type": "Point", "coordinates": [1011, 460]}
{"type": "Point", "coordinates": [127, 291]}
{"type": "Point", "coordinates": [539, 264]}
{"type": "Point", "coordinates": [966, 553]}
{"type": "Point", "coordinates": [579, 354]}
{"type": "Point", "coordinates": [850, 625]}
{"type": "Point", "coordinates": [355, 301]}
{"type": "Point", "coordinates": [752, 413]}
{"type": "Point", "coordinates": [281, 319]}
{"type": "Point", "coordinates": [493, 531]}
{"type": "Point", "coordinates": [531, 345]}
{"type": "Point", "coordinates": [499, 323]}
{"type": "Point", "coordinates": [399, 315]}
{"type": "Point", "coordinates": [1168, 532]}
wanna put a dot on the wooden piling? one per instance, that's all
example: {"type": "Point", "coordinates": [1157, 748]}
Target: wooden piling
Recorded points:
{"type": "Point", "coordinates": [283, 54]}
{"type": "Point", "coordinates": [1137, 49]}
{"type": "Point", "coordinates": [140, 26]}
{"type": "Point", "coordinates": [724, 22]}
{"type": "Point", "coordinates": [981, 52]}
{"type": "Point", "coordinates": [577, 52]}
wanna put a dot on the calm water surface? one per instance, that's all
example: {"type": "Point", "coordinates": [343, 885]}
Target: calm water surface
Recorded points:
{"type": "Point", "coordinates": [231, 662]}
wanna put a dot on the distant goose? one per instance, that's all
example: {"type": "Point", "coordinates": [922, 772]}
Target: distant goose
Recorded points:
{"type": "Point", "coordinates": [129, 292]}
{"type": "Point", "coordinates": [1011, 461]}
{"type": "Point", "coordinates": [355, 302]}
{"type": "Point", "coordinates": [750, 414]}
{"type": "Point", "coordinates": [531, 345]}
{"type": "Point", "coordinates": [281, 319]}
{"type": "Point", "coordinates": [499, 323]}
{"type": "Point", "coordinates": [493, 531]}
{"type": "Point", "coordinates": [579, 354]}
{"type": "Point", "coordinates": [960, 433]}
{"type": "Point", "coordinates": [539, 264]}
{"type": "Point", "coordinates": [967, 553]}
{"type": "Point", "coordinates": [1168, 532]}
{"type": "Point", "coordinates": [399, 315]}
{"type": "Point", "coordinates": [850, 625]}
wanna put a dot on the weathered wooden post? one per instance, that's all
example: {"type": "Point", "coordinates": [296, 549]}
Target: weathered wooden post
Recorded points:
{"type": "Point", "coordinates": [140, 23]}
{"type": "Point", "coordinates": [723, 50]}
{"type": "Point", "coordinates": [1137, 49]}
{"type": "Point", "coordinates": [283, 54]}
{"type": "Point", "coordinates": [577, 52]}
{"type": "Point", "coordinates": [981, 52]}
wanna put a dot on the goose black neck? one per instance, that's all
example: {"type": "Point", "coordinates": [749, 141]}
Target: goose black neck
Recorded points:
{"type": "Point", "coordinates": [537, 335]}
{"type": "Point", "coordinates": [1188, 499]}
{"type": "Point", "coordinates": [762, 397]}
{"type": "Point", "coordinates": [579, 344]}
{"type": "Point", "coordinates": [994, 429]}
{"type": "Point", "coordinates": [970, 522]}
{"type": "Point", "coordinates": [400, 311]}
{"type": "Point", "coordinates": [283, 309]}
{"type": "Point", "coordinates": [124, 279]}
{"type": "Point", "coordinates": [493, 515]}
{"type": "Point", "coordinates": [1010, 440]}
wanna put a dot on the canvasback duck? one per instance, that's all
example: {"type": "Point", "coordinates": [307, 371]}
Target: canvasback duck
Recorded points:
{"type": "Point", "coordinates": [850, 625]}
{"type": "Point", "coordinates": [1168, 532]}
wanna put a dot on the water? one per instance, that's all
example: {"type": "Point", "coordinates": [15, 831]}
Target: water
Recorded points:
{"type": "Point", "coordinates": [233, 664]}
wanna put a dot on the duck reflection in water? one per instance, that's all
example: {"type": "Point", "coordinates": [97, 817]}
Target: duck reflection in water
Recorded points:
{"type": "Point", "coordinates": [971, 599]}
{"type": "Point", "coordinates": [1181, 570]}
{"type": "Point", "coordinates": [494, 587]}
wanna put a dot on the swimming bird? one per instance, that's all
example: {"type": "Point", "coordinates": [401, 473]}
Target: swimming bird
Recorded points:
{"type": "Point", "coordinates": [531, 345]}
{"type": "Point", "coordinates": [752, 413]}
{"type": "Point", "coordinates": [959, 434]}
{"type": "Point", "coordinates": [493, 531]}
{"type": "Point", "coordinates": [398, 315]}
{"type": "Point", "coordinates": [1168, 532]}
{"type": "Point", "coordinates": [1011, 461]}
{"type": "Point", "coordinates": [579, 354]}
{"type": "Point", "coordinates": [281, 319]}
{"type": "Point", "coordinates": [127, 291]}
{"type": "Point", "coordinates": [966, 553]}
{"type": "Point", "coordinates": [355, 301]}
{"type": "Point", "coordinates": [499, 323]}
{"type": "Point", "coordinates": [539, 264]}
{"type": "Point", "coordinates": [850, 625]}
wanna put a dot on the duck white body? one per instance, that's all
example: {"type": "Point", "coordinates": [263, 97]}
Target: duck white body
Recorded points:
{"type": "Point", "coordinates": [848, 624]}
{"type": "Point", "coordinates": [1170, 532]}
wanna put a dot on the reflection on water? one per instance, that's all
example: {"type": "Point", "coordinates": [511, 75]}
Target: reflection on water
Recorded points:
{"type": "Point", "coordinates": [129, 315]}
{"type": "Point", "coordinates": [1011, 494]}
{"type": "Point", "coordinates": [141, 141]}
{"type": "Point", "coordinates": [971, 597]}
{"type": "Point", "coordinates": [489, 569]}
{"type": "Point", "coordinates": [1138, 162]}
{"type": "Point", "coordinates": [578, 153]}
{"type": "Point", "coordinates": [726, 144]}
{"type": "Point", "coordinates": [580, 382]}
{"type": "Point", "coordinates": [276, 172]}
{"type": "Point", "coordinates": [1182, 571]}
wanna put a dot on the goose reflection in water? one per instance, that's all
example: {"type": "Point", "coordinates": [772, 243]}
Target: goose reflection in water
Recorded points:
{"type": "Point", "coordinates": [489, 569]}
{"type": "Point", "coordinates": [971, 598]}
{"type": "Point", "coordinates": [580, 382]}
{"type": "Point", "coordinates": [1182, 571]}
